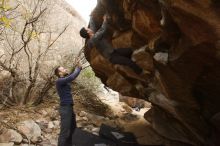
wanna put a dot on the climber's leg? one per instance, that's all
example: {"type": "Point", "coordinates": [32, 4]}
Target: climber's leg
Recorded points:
{"type": "Point", "coordinates": [126, 52]}
{"type": "Point", "coordinates": [118, 59]}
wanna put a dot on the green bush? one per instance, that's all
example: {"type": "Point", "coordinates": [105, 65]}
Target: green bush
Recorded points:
{"type": "Point", "coordinates": [88, 79]}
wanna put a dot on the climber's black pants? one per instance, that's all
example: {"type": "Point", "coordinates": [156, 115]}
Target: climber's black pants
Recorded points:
{"type": "Point", "coordinates": [67, 125]}
{"type": "Point", "coordinates": [122, 56]}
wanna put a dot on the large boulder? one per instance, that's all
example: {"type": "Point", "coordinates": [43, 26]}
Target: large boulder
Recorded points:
{"type": "Point", "coordinates": [31, 130]}
{"type": "Point", "coordinates": [177, 42]}
{"type": "Point", "coordinates": [10, 135]}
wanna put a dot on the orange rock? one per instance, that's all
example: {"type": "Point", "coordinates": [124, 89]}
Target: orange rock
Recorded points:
{"type": "Point", "coordinates": [184, 85]}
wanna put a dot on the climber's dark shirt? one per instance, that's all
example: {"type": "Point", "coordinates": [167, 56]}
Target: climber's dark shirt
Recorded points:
{"type": "Point", "coordinates": [100, 42]}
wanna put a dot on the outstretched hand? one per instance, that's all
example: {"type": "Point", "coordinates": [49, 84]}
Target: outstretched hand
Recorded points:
{"type": "Point", "coordinates": [77, 62]}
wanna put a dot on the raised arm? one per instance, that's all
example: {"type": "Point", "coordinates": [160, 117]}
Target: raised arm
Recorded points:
{"type": "Point", "coordinates": [102, 31]}
{"type": "Point", "coordinates": [96, 16]}
{"type": "Point", "coordinates": [92, 24]}
{"type": "Point", "coordinates": [71, 77]}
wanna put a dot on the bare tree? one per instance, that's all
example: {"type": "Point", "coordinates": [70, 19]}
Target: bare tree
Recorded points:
{"type": "Point", "coordinates": [27, 44]}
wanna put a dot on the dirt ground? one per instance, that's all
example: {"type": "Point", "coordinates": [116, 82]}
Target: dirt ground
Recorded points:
{"type": "Point", "coordinates": [105, 109]}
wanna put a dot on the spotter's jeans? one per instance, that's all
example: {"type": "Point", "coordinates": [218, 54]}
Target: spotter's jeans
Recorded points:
{"type": "Point", "coordinates": [67, 125]}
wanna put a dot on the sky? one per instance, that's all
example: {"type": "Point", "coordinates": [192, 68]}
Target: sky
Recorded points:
{"type": "Point", "coordinates": [84, 7]}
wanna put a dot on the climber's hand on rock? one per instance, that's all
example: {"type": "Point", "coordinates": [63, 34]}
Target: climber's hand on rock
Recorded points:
{"type": "Point", "coordinates": [106, 17]}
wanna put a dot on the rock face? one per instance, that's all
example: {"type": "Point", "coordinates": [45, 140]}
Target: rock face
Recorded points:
{"type": "Point", "coordinates": [134, 102]}
{"type": "Point", "coordinates": [178, 43]}
{"type": "Point", "coordinates": [10, 136]}
{"type": "Point", "coordinates": [31, 130]}
{"type": "Point", "coordinates": [62, 14]}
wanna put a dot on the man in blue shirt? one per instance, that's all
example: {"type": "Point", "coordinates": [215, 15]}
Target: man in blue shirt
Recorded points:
{"type": "Point", "coordinates": [67, 115]}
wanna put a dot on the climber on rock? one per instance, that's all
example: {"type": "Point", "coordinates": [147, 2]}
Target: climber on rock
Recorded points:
{"type": "Point", "coordinates": [121, 56]}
